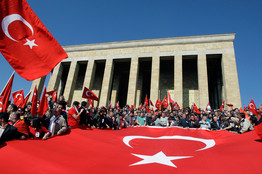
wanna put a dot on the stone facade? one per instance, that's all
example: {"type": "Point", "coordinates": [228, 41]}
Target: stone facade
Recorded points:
{"type": "Point", "coordinates": [185, 86]}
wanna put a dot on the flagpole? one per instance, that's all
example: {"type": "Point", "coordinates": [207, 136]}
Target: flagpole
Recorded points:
{"type": "Point", "coordinates": [7, 82]}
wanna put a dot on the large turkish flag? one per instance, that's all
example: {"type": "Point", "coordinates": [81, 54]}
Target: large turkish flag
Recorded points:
{"type": "Point", "coordinates": [136, 150]}
{"type": "Point", "coordinates": [25, 42]}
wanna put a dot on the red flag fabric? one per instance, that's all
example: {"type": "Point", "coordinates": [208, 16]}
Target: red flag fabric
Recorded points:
{"type": "Point", "coordinates": [141, 106]}
{"type": "Point", "coordinates": [18, 97]}
{"type": "Point", "coordinates": [222, 106]}
{"type": "Point", "coordinates": [177, 106]}
{"type": "Point", "coordinates": [6, 94]}
{"type": "Point", "coordinates": [128, 150]}
{"type": "Point", "coordinates": [195, 109]}
{"type": "Point", "coordinates": [25, 42]}
{"type": "Point", "coordinates": [158, 104]}
{"type": "Point", "coordinates": [43, 106]}
{"type": "Point", "coordinates": [208, 108]}
{"type": "Point", "coordinates": [171, 100]}
{"type": "Point", "coordinates": [245, 107]}
{"type": "Point", "coordinates": [151, 103]}
{"type": "Point", "coordinates": [87, 93]}
{"type": "Point", "coordinates": [258, 130]}
{"type": "Point", "coordinates": [146, 101]}
{"type": "Point", "coordinates": [230, 105]}
{"type": "Point", "coordinates": [133, 106]}
{"type": "Point", "coordinates": [165, 102]}
{"type": "Point", "coordinates": [252, 107]}
{"type": "Point", "coordinates": [91, 103]}
{"type": "Point", "coordinates": [53, 93]}
{"type": "Point", "coordinates": [34, 102]}
{"type": "Point", "coordinates": [247, 116]}
{"type": "Point", "coordinates": [117, 105]}
{"type": "Point", "coordinates": [25, 100]}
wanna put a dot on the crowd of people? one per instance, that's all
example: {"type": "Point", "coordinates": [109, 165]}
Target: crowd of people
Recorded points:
{"type": "Point", "coordinates": [18, 123]}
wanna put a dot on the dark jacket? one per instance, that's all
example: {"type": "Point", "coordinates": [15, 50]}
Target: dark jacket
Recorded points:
{"type": "Point", "coordinates": [183, 122]}
{"type": "Point", "coordinates": [9, 133]}
{"type": "Point", "coordinates": [215, 126]}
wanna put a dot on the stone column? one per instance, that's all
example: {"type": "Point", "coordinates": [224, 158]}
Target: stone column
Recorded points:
{"type": "Point", "coordinates": [230, 78]}
{"type": "Point", "coordinates": [178, 80]}
{"type": "Point", "coordinates": [107, 83]}
{"type": "Point", "coordinates": [132, 85]}
{"type": "Point", "coordinates": [115, 87]}
{"type": "Point", "coordinates": [155, 74]}
{"type": "Point", "coordinates": [55, 77]}
{"type": "Point", "coordinates": [138, 90]}
{"type": "Point", "coordinates": [40, 84]}
{"type": "Point", "coordinates": [202, 81]}
{"type": "Point", "coordinates": [71, 81]}
{"type": "Point", "coordinates": [90, 74]}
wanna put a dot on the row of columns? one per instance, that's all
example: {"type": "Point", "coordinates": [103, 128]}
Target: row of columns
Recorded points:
{"type": "Point", "coordinates": [133, 79]}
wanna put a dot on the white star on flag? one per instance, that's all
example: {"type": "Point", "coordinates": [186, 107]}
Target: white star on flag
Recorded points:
{"type": "Point", "coordinates": [30, 43]}
{"type": "Point", "coordinates": [159, 158]}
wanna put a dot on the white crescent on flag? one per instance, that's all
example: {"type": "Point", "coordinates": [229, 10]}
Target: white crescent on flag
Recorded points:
{"type": "Point", "coordinates": [11, 18]}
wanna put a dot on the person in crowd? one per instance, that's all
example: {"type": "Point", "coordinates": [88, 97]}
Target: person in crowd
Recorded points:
{"type": "Point", "coordinates": [170, 122]}
{"type": "Point", "coordinates": [244, 125]}
{"type": "Point", "coordinates": [163, 120]}
{"type": "Point", "coordinates": [37, 131]}
{"type": "Point", "coordinates": [84, 114]}
{"type": "Point", "coordinates": [102, 119]}
{"type": "Point", "coordinates": [57, 124]}
{"type": "Point", "coordinates": [149, 120]}
{"type": "Point", "coordinates": [62, 101]}
{"type": "Point", "coordinates": [11, 108]}
{"type": "Point", "coordinates": [74, 115]}
{"type": "Point", "coordinates": [141, 120]}
{"type": "Point", "coordinates": [122, 122]}
{"type": "Point", "coordinates": [20, 125]}
{"type": "Point", "coordinates": [215, 124]}
{"type": "Point", "coordinates": [183, 121]}
{"type": "Point", "coordinates": [204, 123]}
{"type": "Point", "coordinates": [7, 131]}
{"type": "Point", "coordinates": [176, 121]}
{"type": "Point", "coordinates": [192, 121]}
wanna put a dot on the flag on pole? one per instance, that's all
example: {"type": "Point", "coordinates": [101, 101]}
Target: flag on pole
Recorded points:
{"type": "Point", "coordinates": [195, 109]}
{"type": "Point", "coordinates": [252, 107]}
{"type": "Point", "coordinates": [25, 100]}
{"type": "Point", "coordinates": [5, 94]}
{"type": "Point", "coordinates": [18, 97]}
{"type": "Point", "coordinates": [27, 46]}
{"type": "Point", "coordinates": [208, 108]}
{"type": "Point", "coordinates": [88, 94]}
{"type": "Point", "coordinates": [222, 106]}
{"type": "Point", "coordinates": [159, 104]}
{"type": "Point", "coordinates": [34, 102]}
{"type": "Point", "coordinates": [43, 106]}
{"type": "Point", "coordinates": [165, 103]}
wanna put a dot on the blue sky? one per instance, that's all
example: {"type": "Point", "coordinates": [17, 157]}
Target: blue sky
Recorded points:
{"type": "Point", "coordinates": [84, 21]}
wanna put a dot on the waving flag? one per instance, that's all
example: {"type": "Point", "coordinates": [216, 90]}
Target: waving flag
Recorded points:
{"type": "Point", "coordinates": [25, 100]}
{"type": "Point", "coordinates": [195, 109]}
{"type": "Point", "coordinates": [5, 94]}
{"type": "Point", "coordinates": [165, 103]}
{"type": "Point", "coordinates": [43, 106]}
{"type": "Point", "coordinates": [222, 106]}
{"type": "Point", "coordinates": [208, 108]}
{"type": "Point", "coordinates": [137, 150]}
{"type": "Point", "coordinates": [146, 101]}
{"type": "Point", "coordinates": [18, 97]}
{"type": "Point", "coordinates": [159, 104]}
{"type": "Point", "coordinates": [171, 100]}
{"type": "Point", "coordinates": [88, 94]}
{"type": "Point", "coordinates": [252, 107]}
{"type": "Point", "coordinates": [34, 102]}
{"type": "Point", "coordinates": [25, 42]}
{"type": "Point", "coordinates": [117, 105]}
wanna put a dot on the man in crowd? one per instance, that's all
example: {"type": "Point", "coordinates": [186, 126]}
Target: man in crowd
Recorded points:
{"type": "Point", "coordinates": [7, 132]}
{"type": "Point", "coordinates": [57, 124]}
{"type": "Point", "coordinates": [215, 124]}
{"type": "Point", "coordinates": [20, 125]}
{"type": "Point", "coordinates": [204, 123]}
{"type": "Point", "coordinates": [73, 115]}
{"type": "Point", "coordinates": [244, 125]}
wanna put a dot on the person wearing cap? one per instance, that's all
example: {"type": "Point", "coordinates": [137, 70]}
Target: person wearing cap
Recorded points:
{"type": "Point", "coordinates": [7, 131]}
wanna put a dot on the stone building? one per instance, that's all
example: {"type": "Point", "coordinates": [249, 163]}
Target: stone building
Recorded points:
{"type": "Point", "coordinates": [199, 69]}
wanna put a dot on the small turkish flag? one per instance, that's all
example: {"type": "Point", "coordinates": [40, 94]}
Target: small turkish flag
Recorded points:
{"type": "Point", "coordinates": [25, 100]}
{"type": "Point", "coordinates": [117, 105]}
{"type": "Point", "coordinates": [170, 98]}
{"type": "Point", "coordinates": [25, 42]}
{"type": "Point", "coordinates": [34, 102]}
{"type": "Point", "coordinates": [158, 104]}
{"type": "Point", "coordinates": [165, 103]}
{"type": "Point", "coordinates": [53, 93]}
{"type": "Point", "coordinates": [18, 97]}
{"type": "Point", "coordinates": [195, 109]}
{"type": "Point", "coordinates": [43, 106]}
{"type": "Point", "coordinates": [88, 94]}
{"type": "Point", "coordinates": [151, 103]}
{"type": "Point", "coordinates": [252, 107]}
{"type": "Point", "coordinates": [146, 101]}
{"type": "Point", "coordinates": [222, 106]}
{"type": "Point", "coordinates": [5, 94]}
{"type": "Point", "coordinates": [208, 108]}
{"type": "Point", "coordinates": [141, 106]}
{"type": "Point", "coordinates": [133, 106]}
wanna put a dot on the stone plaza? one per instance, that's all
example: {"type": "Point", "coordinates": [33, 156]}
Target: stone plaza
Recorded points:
{"type": "Point", "coordinates": [193, 69]}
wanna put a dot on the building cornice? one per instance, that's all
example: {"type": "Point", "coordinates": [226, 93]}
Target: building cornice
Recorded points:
{"type": "Point", "coordinates": [153, 42]}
